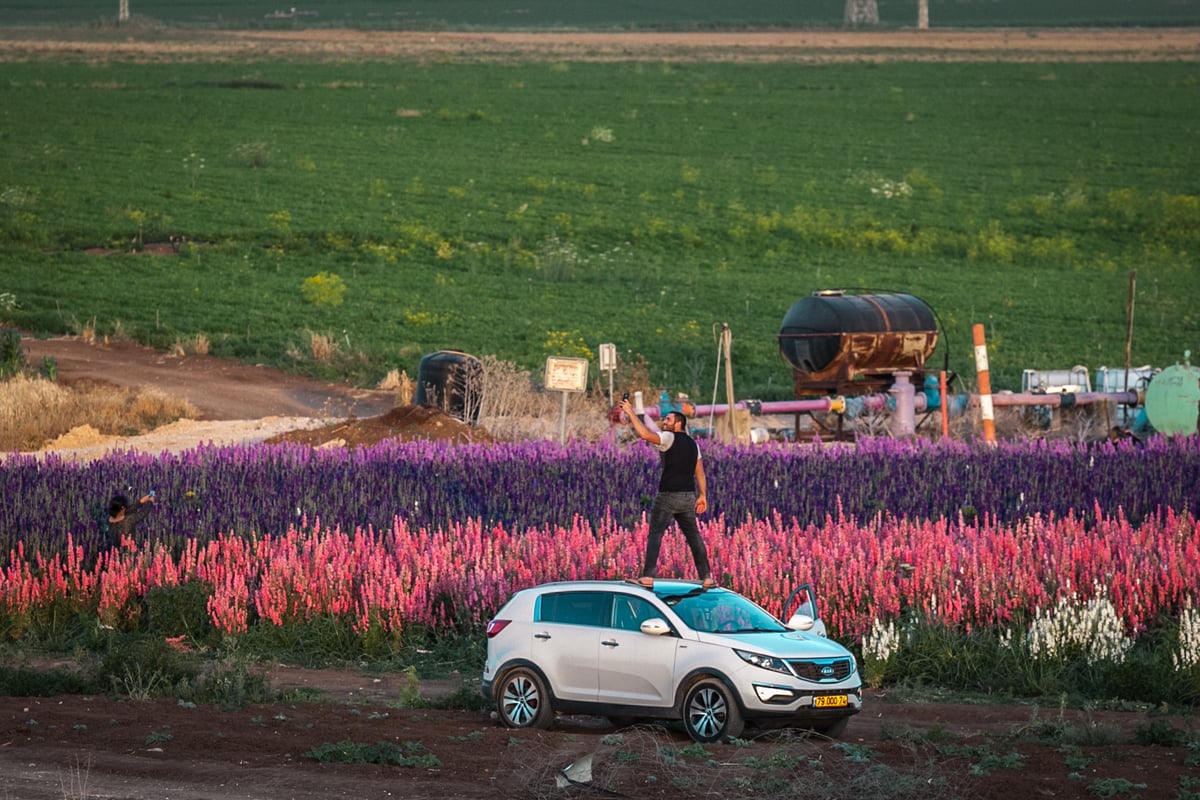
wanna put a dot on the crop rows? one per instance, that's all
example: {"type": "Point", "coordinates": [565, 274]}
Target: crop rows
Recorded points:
{"type": "Point", "coordinates": [531, 209]}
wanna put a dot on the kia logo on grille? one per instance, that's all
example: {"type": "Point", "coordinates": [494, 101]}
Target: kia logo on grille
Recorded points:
{"type": "Point", "coordinates": [826, 671]}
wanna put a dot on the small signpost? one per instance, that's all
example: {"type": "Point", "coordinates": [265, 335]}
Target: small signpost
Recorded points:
{"type": "Point", "coordinates": [565, 375]}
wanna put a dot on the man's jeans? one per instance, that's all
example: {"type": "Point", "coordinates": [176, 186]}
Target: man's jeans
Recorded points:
{"type": "Point", "coordinates": [681, 507]}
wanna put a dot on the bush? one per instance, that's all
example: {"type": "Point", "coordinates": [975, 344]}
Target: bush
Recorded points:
{"type": "Point", "coordinates": [180, 610]}
{"type": "Point", "coordinates": [12, 357]}
{"type": "Point", "coordinates": [323, 289]}
{"type": "Point", "coordinates": [139, 667]}
{"type": "Point", "coordinates": [25, 682]}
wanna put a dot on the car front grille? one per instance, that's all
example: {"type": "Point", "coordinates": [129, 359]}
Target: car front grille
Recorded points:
{"type": "Point", "coordinates": [825, 670]}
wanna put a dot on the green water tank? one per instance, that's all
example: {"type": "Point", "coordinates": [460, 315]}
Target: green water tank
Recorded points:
{"type": "Point", "coordinates": [1173, 400]}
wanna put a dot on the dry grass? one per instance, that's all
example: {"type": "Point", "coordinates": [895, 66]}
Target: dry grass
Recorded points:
{"type": "Point", "coordinates": [73, 783]}
{"type": "Point", "coordinates": [514, 408]}
{"type": "Point", "coordinates": [322, 348]}
{"type": "Point", "coordinates": [34, 411]}
{"type": "Point", "coordinates": [198, 345]}
{"type": "Point", "coordinates": [398, 383]}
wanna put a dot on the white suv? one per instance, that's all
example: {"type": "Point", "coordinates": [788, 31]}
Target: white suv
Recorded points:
{"type": "Point", "coordinates": [707, 657]}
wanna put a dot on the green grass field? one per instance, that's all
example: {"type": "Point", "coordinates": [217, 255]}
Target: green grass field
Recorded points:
{"type": "Point", "coordinates": [534, 209]}
{"type": "Point", "coordinates": [624, 14]}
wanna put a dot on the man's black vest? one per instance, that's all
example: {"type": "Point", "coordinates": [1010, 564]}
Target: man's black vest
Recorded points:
{"type": "Point", "coordinates": [679, 465]}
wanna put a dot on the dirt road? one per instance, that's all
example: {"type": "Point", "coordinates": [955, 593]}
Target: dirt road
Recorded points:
{"type": "Point", "coordinates": [804, 46]}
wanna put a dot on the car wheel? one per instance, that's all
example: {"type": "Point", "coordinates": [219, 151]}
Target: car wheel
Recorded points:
{"type": "Point", "coordinates": [522, 700]}
{"type": "Point", "coordinates": [710, 712]}
{"type": "Point", "coordinates": [833, 730]}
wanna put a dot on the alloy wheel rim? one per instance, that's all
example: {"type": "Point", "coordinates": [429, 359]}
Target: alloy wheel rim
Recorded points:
{"type": "Point", "coordinates": [520, 700]}
{"type": "Point", "coordinates": [707, 712]}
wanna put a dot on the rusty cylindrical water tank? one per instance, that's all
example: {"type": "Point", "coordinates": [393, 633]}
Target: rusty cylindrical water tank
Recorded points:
{"type": "Point", "coordinates": [451, 381]}
{"type": "Point", "coordinates": [853, 344]}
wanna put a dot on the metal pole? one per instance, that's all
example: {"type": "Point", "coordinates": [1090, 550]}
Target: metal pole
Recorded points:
{"type": "Point", "coordinates": [945, 404]}
{"type": "Point", "coordinates": [1129, 325]}
{"type": "Point", "coordinates": [562, 421]}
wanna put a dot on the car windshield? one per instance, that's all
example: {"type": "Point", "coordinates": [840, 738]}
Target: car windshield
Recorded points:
{"type": "Point", "coordinates": [723, 612]}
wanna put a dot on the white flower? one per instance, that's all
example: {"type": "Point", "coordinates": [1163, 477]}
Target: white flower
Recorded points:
{"type": "Point", "coordinates": [1188, 654]}
{"type": "Point", "coordinates": [882, 641]}
{"type": "Point", "coordinates": [1092, 628]}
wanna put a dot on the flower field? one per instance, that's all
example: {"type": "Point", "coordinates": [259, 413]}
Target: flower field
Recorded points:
{"type": "Point", "coordinates": [267, 489]}
{"type": "Point", "coordinates": [424, 534]}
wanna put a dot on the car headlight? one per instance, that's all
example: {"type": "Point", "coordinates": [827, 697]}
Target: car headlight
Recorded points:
{"type": "Point", "coordinates": [766, 662]}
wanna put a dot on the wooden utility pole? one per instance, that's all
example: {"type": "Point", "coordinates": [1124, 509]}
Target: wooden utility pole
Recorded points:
{"type": "Point", "coordinates": [922, 15]}
{"type": "Point", "coordinates": [123, 11]}
{"type": "Point", "coordinates": [735, 425]}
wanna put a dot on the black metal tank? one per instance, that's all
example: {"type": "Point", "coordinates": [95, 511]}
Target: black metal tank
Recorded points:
{"type": "Point", "coordinates": [853, 344]}
{"type": "Point", "coordinates": [451, 381]}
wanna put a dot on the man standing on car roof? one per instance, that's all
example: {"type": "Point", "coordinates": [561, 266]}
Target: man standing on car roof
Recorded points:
{"type": "Point", "coordinates": [682, 490]}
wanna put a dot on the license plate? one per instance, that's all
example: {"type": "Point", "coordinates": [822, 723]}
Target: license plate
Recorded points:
{"type": "Point", "coordinates": [830, 701]}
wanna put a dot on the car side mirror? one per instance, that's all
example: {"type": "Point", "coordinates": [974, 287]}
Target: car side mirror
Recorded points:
{"type": "Point", "coordinates": [655, 627]}
{"type": "Point", "coordinates": [801, 622]}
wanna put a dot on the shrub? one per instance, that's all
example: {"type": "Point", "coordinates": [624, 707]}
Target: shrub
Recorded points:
{"type": "Point", "coordinates": [12, 357]}
{"type": "Point", "coordinates": [25, 682]}
{"type": "Point", "coordinates": [323, 289]}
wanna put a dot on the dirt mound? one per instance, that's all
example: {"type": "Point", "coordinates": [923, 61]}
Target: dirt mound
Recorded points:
{"type": "Point", "coordinates": [404, 423]}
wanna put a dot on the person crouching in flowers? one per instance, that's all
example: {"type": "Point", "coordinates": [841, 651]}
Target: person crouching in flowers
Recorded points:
{"type": "Point", "coordinates": [123, 520]}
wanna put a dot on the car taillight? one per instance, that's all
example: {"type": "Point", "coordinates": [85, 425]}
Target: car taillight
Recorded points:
{"type": "Point", "coordinates": [496, 625]}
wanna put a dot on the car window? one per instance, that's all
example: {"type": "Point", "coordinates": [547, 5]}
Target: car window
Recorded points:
{"type": "Point", "coordinates": [723, 612]}
{"type": "Point", "coordinates": [630, 612]}
{"type": "Point", "coordinates": [575, 608]}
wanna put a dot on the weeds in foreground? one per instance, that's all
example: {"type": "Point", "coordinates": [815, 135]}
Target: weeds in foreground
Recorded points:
{"type": "Point", "coordinates": [1161, 733]}
{"type": "Point", "coordinates": [643, 759]}
{"type": "Point", "coordinates": [410, 754]}
{"type": "Point", "coordinates": [73, 783]}
{"type": "Point", "coordinates": [1060, 730]}
{"type": "Point", "coordinates": [1114, 787]}
{"type": "Point", "coordinates": [138, 682]}
{"type": "Point", "coordinates": [159, 737]}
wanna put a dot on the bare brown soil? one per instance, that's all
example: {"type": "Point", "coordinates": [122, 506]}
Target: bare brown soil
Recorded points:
{"type": "Point", "coordinates": [150, 750]}
{"type": "Point", "coordinates": [238, 403]}
{"type": "Point", "coordinates": [807, 46]}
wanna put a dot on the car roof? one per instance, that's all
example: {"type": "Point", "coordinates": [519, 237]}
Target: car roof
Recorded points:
{"type": "Point", "coordinates": [662, 586]}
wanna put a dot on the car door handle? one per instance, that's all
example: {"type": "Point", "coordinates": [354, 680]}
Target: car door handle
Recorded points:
{"type": "Point", "coordinates": [541, 636]}
{"type": "Point", "coordinates": [611, 643]}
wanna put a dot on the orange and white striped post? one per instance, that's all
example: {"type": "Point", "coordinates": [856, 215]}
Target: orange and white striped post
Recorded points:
{"type": "Point", "coordinates": [985, 385]}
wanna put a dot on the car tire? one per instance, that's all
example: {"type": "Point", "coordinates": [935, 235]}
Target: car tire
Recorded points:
{"type": "Point", "coordinates": [711, 713]}
{"type": "Point", "coordinates": [834, 730]}
{"type": "Point", "coordinates": [522, 700]}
